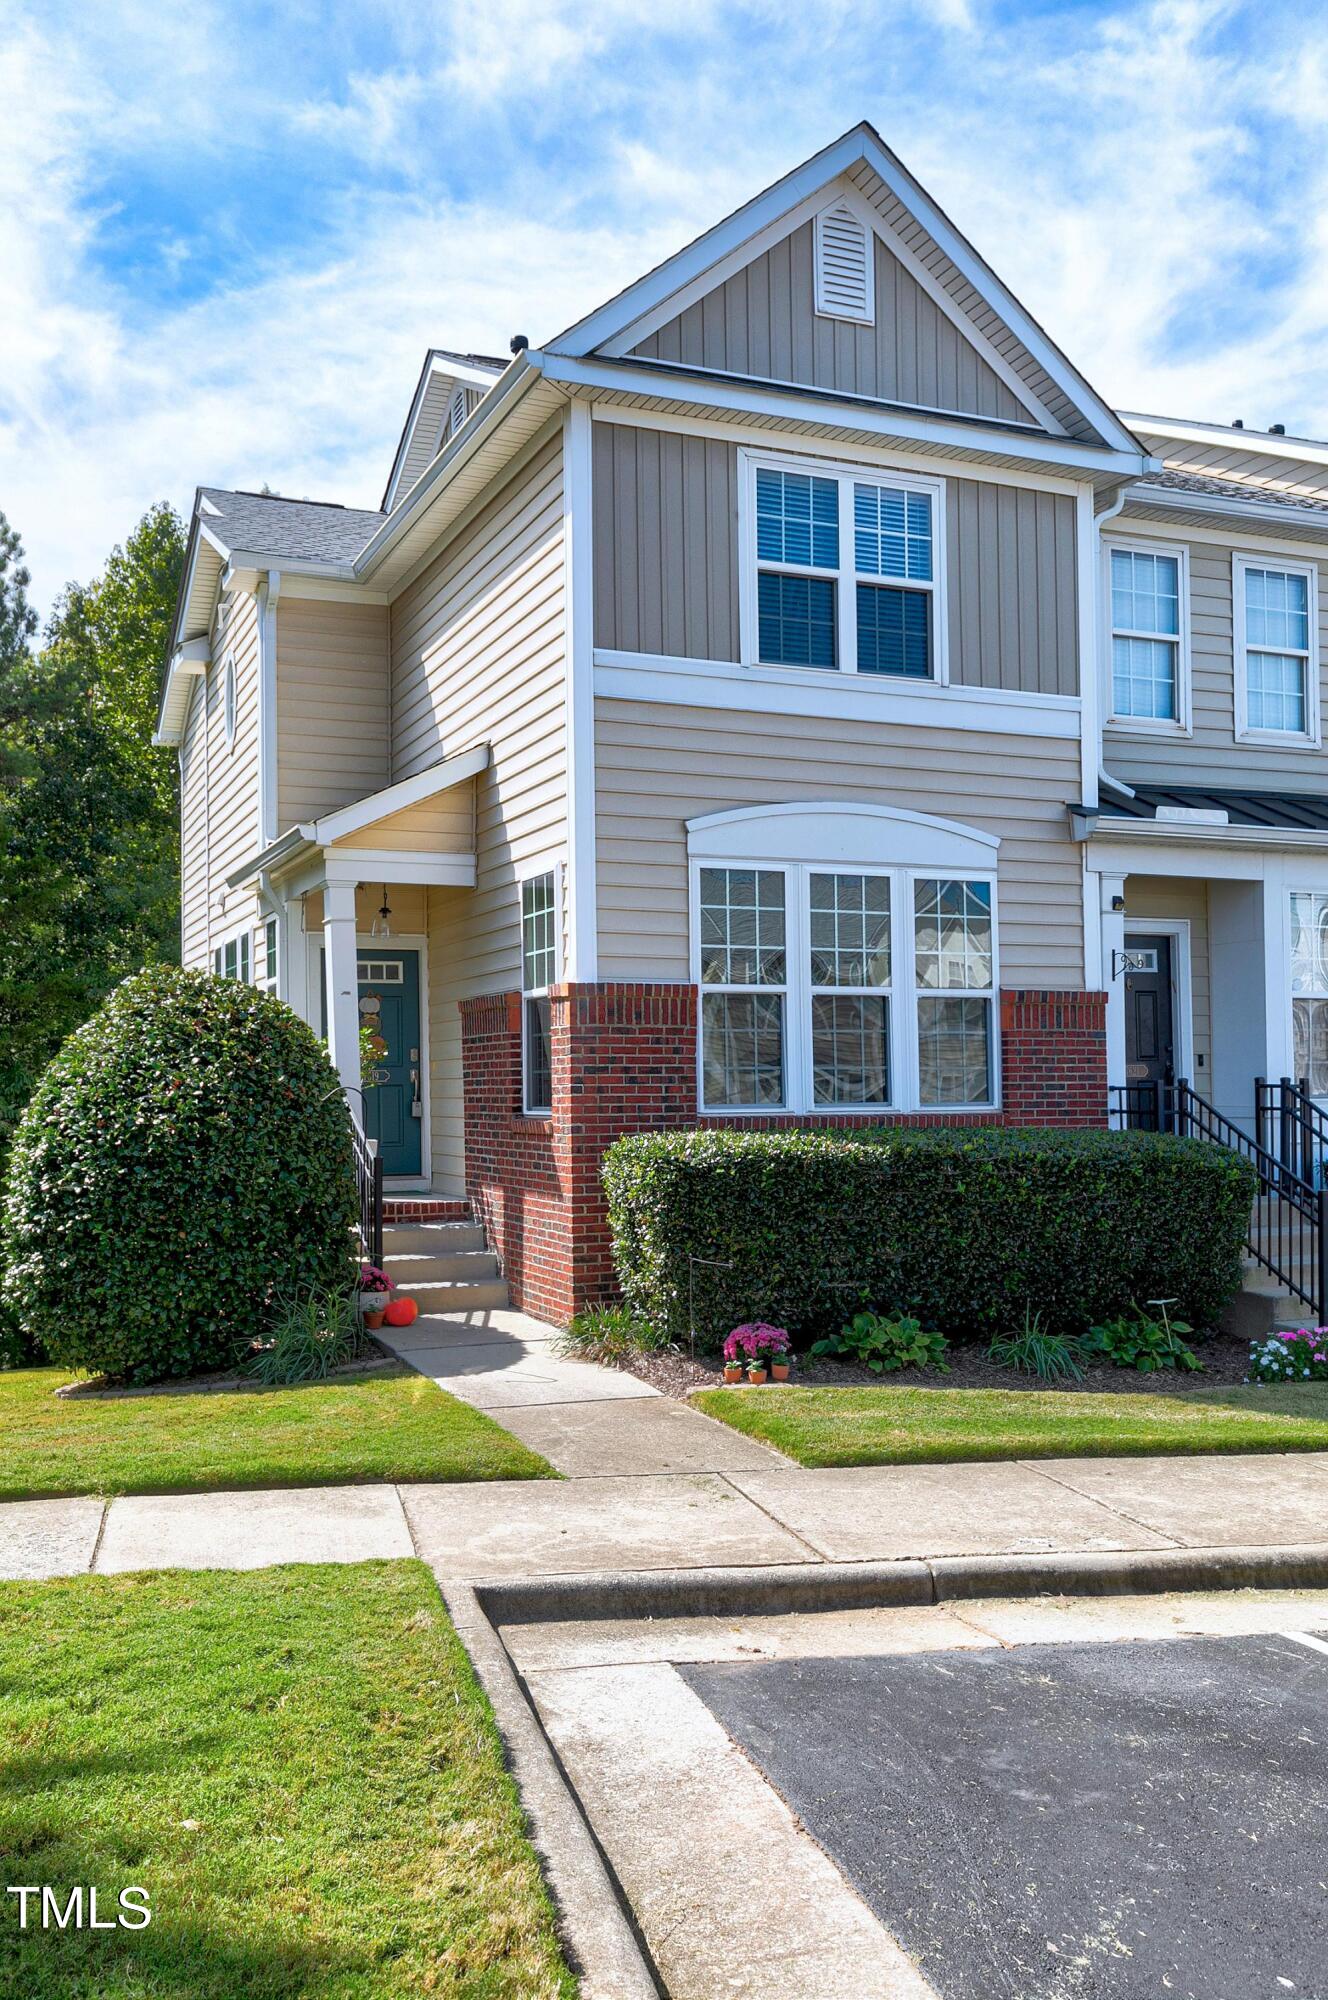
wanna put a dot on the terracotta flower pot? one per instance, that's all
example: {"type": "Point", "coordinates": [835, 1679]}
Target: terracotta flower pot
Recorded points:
{"type": "Point", "coordinates": [374, 1319]}
{"type": "Point", "coordinates": [733, 1371]}
{"type": "Point", "coordinates": [756, 1377]}
{"type": "Point", "coordinates": [779, 1371]}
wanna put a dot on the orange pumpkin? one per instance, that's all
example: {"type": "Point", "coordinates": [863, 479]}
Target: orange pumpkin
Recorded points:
{"type": "Point", "coordinates": [401, 1312]}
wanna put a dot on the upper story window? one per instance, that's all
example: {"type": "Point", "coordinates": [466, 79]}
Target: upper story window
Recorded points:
{"type": "Point", "coordinates": [1149, 668]}
{"type": "Point", "coordinates": [539, 971]}
{"type": "Point", "coordinates": [233, 960]}
{"type": "Point", "coordinates": [847, 568]}
{"type": "Point", "coordinates": [1277, 672]}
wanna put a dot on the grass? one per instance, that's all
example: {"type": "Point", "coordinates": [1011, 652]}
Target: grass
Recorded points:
{"type": "Point", "coordinates": [908, 1426]}
{"type": "Point", "coordinates": [296, 1764]}
{"type": "Point", "coordinates": [389, 1425]}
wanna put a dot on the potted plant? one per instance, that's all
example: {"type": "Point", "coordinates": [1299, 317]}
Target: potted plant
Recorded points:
{"type": "Point", "coordinates": [756, 1342]}
{"type": "Point", "coordinates": [375, 1289]}
{"type": "Point", "coordinates": [733, 1370]}
{"type": "Point", "coordinates": [779, 1367]}
{"type": "Point", "coordinates": [756, 1371]}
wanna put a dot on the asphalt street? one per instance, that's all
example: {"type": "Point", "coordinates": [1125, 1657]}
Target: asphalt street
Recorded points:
{"type": "Point", "coordinates": [1065, 1822]}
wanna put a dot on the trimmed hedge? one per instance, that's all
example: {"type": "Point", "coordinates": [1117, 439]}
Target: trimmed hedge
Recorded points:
{"type": "Point", "coordinates": [964, 1227]}
{"type": "Point", "coordinates": [185, 1157]}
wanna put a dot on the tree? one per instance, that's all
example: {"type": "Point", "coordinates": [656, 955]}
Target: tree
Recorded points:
{"type": "Point", "coordinates": [88, 841]}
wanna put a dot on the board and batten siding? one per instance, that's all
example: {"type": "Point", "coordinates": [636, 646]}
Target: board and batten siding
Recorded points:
{"type": "Point", "coordinates": [478, 657]}
{"type": "Point", "coordinates": [1212, 755]}
{"type": "Point", "coordinates": [666, 563]}
{"type": "Point", "coordinates": [658, 765]}
{"type": "Point", "coordinates": [762, 322]}
{"type": "Point", "coordinates": [332, 706]}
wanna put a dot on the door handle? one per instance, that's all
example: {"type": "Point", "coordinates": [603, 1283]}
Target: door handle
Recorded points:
{"type": "Point", "coordinates": [416, 1106]}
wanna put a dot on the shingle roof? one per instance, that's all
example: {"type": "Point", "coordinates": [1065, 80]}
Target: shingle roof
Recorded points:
{"type": "Point", "coordinates": [1232, 489]}
{"type": "Point", "coordinates": [474, 360]}
{"type": "Point", "coordinates": [299, 530]}
{"type": "Point", "coordinates": [1243, 808]}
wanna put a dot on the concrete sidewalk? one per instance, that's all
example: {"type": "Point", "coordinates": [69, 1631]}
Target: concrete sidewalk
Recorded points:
{"type": "Point", "coordinates": [736, 1519]}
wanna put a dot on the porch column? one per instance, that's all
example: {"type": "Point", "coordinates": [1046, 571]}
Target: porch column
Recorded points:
{"type": "Point", "coordinates": [343, 1004]}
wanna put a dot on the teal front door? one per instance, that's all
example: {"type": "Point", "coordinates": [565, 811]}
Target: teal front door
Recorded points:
{"type": "Point", "coordinates": [389, 987]}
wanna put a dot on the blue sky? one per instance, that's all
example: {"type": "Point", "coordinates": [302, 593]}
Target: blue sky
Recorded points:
{"type": "Point", "coordinates": [228, 233]}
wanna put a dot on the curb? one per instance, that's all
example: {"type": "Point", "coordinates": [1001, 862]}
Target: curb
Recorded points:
{"type": "Point", "coordinates": [789, 1587]}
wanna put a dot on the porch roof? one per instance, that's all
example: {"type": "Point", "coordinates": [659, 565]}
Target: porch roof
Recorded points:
{"type": "Point", "coordinates": [325, 845]}
{"type": "Point", "coordinates": [1307, 811]}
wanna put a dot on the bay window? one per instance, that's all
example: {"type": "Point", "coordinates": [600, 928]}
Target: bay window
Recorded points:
{"type": "Point", "coordinates": [844, 988]}
{"type": "Point", "coordinates": [1309, 989]}
{"type": "Point", "coordinates": [847, 568]}
{"type": "Point", "coordinates": [1277, 693]}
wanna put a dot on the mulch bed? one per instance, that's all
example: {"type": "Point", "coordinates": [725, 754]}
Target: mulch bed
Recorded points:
{"type": "Point", "coordinates": [1224, 1363]}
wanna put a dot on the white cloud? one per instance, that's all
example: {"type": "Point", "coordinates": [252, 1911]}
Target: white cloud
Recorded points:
{"type": "Point", "coordinates": [454, 175]}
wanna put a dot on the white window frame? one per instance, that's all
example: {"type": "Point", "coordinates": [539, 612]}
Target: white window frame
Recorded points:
{"type": "Point", "coordinates": [242, 937]}
{"type": "Point", "coordinates": [1149, 725]}
{"type": "Point", "coordinates": [904, 990]}
{"type": "Point", "coordinates": [846, 578]}
{"type": "Point", "coordinates": [536, 873]}
{"type": "Point", "coordinates": [1289, 739]}
{"type": "Point", "coordinates": [268, 928]}
{"type": "Point", "coordinates": [1297, 889]}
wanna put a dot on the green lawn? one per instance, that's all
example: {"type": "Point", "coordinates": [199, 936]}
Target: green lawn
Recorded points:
{"type": "Point", "coordinates": [908, 1426]}
{"type": "Point", "coordinates": [296, 1764]}
{"type": "Point", "coordinates": [387, 1425]}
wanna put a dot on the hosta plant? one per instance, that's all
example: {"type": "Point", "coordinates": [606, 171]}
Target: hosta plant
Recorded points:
{"type": "Point", "coordinates": [885, 1342]}
{"type": "Point", "coordinates": [1137, 1340]}
{"type": "Point", "coordinates": [1301, 1356]}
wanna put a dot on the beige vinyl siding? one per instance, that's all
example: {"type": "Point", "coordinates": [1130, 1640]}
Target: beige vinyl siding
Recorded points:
{"type": "Point", "coordinates": [332, 706]}
{"type": "Point", "coordinates": [478, 657]}
{"type": "Point", "coordinates": [441, 825]}
{"type": "Point", "coordinates": [193, 834]}
{"type": "Point", "coordinates": [762, 321]}
{"type": "Point", "coordinates": [233, 790]}
{"type": "Point", "coordinates": [666, 563]}
{"type": "Point", "coordinates": [659, 765]}
{"type": "Point", "coordinates": [1212, 755]}
{"type": "Point", "coordinates": [1155, 897]}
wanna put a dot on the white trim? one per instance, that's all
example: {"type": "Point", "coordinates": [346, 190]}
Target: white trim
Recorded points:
{"type": "Point", "coordinates": [535, 872]}
{"type": "Point", "coordinates": [1087, 680]}
{"type": "Point", "coordinates": [835, 831]}
{"type": "Point", "coordinates": [1177, 930]}
{"type": "Point", "coordinates": [383, 948]}
{"type": "Point", "coordinates": [1247, 511]}
{"type": "Point", "coordinates": [396, 865]}
{"type": "Point", "coordinates": [843, 209]}
{"type": "Point", "coordinates": [1275, 739]}
{"type": "Point", "coordinates": [579, 693]}
{"type": "Point", "coordinates": [820, 691]}
{"type": "Point", "coordinates": [846, 577]}
{"type": "Point", "coordinates": [736, 231]}
{"type": "Point", "coordinates": [1302, 549]}
{"type": "Point", "coordinates": [796, 991]}
{"type": "Point", "coordinates": [1140, 725]}
{"type": "Point", "coordinates": [781, 403]}
{"type": "Point", "coordinates": [893, 457]}
{"type": "Point", "coordinates": [1259, 444]}
{"type": "Point", "coordinates": [269, 593]}
{"type": "Point", "coordinates": [332, 590]}
{"type": "Point", "coordinates": [425, 784]}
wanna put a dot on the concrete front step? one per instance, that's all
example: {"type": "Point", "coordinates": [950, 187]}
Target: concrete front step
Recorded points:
{"type": "Point", "coordinates": [410, 1270]}
{"type": "Point", "coordinates": [418, 1239]}
{"type": "Point", "coordinates": [457, 1295]}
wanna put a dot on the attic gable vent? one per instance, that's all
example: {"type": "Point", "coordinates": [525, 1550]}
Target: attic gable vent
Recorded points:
{"type": "Point", "coordinates": [459, 411]}
{"type": "Point", "coordinates": [844, 266]}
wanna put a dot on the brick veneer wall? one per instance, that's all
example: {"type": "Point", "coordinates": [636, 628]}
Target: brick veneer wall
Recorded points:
{"type": "Point", "coordinates": [624, 1060]}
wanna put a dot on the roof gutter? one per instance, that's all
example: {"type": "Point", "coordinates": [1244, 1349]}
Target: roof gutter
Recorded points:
{"type": "Point", "coordinates": [1279, 513]}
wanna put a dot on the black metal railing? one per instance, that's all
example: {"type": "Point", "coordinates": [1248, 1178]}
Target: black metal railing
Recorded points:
{"type": "Point", "coordinates": [1288, 1227]}
{"type": "Point", "coordinates": [369, 1180]}
{"type": "Point", "coordinates": [1295, 1128]}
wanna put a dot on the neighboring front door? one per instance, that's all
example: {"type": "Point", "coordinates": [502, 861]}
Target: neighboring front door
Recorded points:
{"type": "Point", "coordinates": [1149, 1022]}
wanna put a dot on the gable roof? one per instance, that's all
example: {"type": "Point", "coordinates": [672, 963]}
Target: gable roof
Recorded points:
{"type": "Point", "coordinates": [444, 370]}
{"type": "Point", "coordinates": [905, 215]}
{"type": "Point", "coordinates": [268, 524]}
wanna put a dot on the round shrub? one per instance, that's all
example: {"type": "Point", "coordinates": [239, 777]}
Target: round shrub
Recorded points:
{"type": "Point", "coordinates": [185, 1158]}
{"type": "Point", "coordinates": [966, 1229]}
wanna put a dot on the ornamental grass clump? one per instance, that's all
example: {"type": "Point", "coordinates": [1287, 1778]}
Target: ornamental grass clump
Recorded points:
{"type": "Point", "coordinates": [1301, 1356]}
{"type": "Point", "coordinates": [184, 1161]}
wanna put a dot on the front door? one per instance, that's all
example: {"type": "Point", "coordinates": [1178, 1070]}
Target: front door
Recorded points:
{"type": "Point", "coordinates": [389, 988]}
{"type": "Point", "coordinates": [1149, 1023]}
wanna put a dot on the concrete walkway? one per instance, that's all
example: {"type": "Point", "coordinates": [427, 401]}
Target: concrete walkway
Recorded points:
{"type": "Point", "coordinates": [684, 1520]}
{"type": "Point", "coordinates": [589, 1422]}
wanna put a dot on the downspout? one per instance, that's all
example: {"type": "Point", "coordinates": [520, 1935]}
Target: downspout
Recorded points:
{"type": "Point", "coordinates": [269, 591]}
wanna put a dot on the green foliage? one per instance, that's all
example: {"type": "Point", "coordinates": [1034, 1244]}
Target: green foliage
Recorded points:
{"type": "Point", "coordinates": [957, 1226]}
{"type": "Point", "coordinates": [608, 1334]}
{"type": "Point", "coordinates": [88, 842]}
{"type": "Point", "coordinates": [1137, 1340]}
{"type": "Point", "coordinates": [885, 1342]}
{"type": "Point", "coordinates": [307, 1337]}
{"type": "Point", "coordinates": [1052, 1357]}
{"type": "Point", "coordinates": [185, 1159]}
